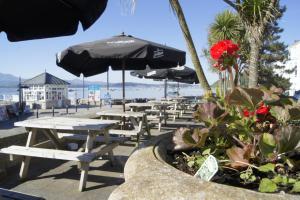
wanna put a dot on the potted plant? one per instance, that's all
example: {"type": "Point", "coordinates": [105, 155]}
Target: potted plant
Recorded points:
{"type": "Point", "coordinates": [252, 132]}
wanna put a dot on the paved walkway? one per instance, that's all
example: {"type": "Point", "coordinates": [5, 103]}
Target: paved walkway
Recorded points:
{"type": "Point", "coordinates": [58, 180]}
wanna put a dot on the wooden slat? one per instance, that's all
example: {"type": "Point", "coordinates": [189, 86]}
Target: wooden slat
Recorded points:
{"type": "Point", "coordinates": [111, 113]}
{"type": "Point", "coordinates": [53, 138]}
{"type": "Point", "coordinates": [48, 153]}
{"type": "Point", "coordinates": [104, 149]}
{"type": "Point", "coordinates": [124, 132]}
{"type": "Point", "coordinates": [67, 123]}
{"type": "Point", "coordinates": [80, 137]}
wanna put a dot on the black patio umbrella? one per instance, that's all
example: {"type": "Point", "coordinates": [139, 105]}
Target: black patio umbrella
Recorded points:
{"type": "Point", "coordinates": [180, 74]}
{"type": "Point", "coordinates": [36, 19]}
{"type": "Point", "coordinates": [121, 53]}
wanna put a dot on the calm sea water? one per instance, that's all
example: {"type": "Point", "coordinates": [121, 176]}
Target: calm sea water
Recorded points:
{"type": "Point", "coordinates": [130, 92]}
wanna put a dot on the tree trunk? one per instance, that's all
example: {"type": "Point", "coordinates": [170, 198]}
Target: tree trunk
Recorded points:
{"type": "Point", "coordinates": [191, 47]}
{"type": "Point", "coordinates": [255, 44]}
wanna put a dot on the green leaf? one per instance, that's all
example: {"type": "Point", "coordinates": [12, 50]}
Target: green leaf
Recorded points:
{"type": "Point", "coordinates": [267, 145]}
{"type": "Point", "coordinates": [288, 138]}
{"type": "Point", "coordinates": [206, 151]}
{"type": "Point", "coordinates": [247, 176]}
{"type": "Point", "coordinates": [191, 163]}
{"type": "Point", "coordinates": [187, 138]}
{"type": "Point", "coordinates": [239, 97]}
{"type": "Point", "coordinates": [200, 160]}
{"type": "Point", "coordinates": [291, 181]}
{"type": "Point", "coordinates": [294, 113]}
{"type": "Point", "coordinates": [269, 139]}
{"type": "Point", "coordinates": [267, 185]}
{"type": "Point", "coordinates": [277, 179]}
{"type": "Point", "coordinates": [284, 180]}
{"type": "Point", "coordinates": [296, 187]}
{"type": "Point", "coordinates": [269, 167]}
{"type": "Point", "coordinates": [208, 112]}
{"type": "Point", "coordinates": [248, 97]}
{"type": "Point", "coordinates": [280, 113]}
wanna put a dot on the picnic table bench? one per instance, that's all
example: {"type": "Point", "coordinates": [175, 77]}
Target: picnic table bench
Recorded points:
{"type": "Point", "coordinates": [138, 119]}
{"type": "Point", "coordinates": [52, 127]}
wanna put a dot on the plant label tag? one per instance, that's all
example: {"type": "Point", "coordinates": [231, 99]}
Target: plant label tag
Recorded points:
{"type": "Point", "coordinates": [208, 169]}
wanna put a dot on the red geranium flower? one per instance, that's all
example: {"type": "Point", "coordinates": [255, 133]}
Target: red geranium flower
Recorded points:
{"type": "Point", "coordinates": [247, 113]}
{"type": "Point", "coordinates": [223, 47]}
{"type": "Point", "coordinates": [263, 109]}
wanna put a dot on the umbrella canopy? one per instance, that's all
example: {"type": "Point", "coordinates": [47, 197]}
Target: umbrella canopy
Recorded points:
{"type": "Point", "coordinates": [181, 74]}
{"type": "Point", "coordinates": [95, 57]}
{"type": "Point", "coordinates": [36, 19]}
{"type": "Point", "coordinates": [121, 53]}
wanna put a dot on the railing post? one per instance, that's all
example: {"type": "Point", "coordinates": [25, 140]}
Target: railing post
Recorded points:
{"type": "Point", "coordinates": [67, 109]}
{"type": "Point", "coordinates": [88, 105]}
{"type": "Point", "coordinates": [52, 111]}
{"type": "Point", "coordinates": [37, 112]}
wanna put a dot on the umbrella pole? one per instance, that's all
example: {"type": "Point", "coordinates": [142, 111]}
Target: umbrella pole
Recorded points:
{"type": "Point", "coordinates": [177, 88]}
{"type": "Point", "coordinates": [166, 88]}
{"type": "Point", "coordinates": [107, 81]}
{"type": "Point", "coordinates": [123, 85]}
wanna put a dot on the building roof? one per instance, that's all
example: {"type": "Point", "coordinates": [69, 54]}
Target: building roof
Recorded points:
{"type": "Point", "coordinates": [45, 79]}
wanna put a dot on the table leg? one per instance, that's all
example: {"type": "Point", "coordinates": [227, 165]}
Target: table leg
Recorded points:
{"type": "Point", "coordinates": [84, 165]}
{"type": "Point", "coordinates": [110, 153]}
{"type": "Point", "coordinates": [26, 161]}
{"type": "Point", "coordinates": [52, 135]}
{"type": "Point", "coordinates": [165, 117]}
{"type": "Point", "coordinates": [147, 125]}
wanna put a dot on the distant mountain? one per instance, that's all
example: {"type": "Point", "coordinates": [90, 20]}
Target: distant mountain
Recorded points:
{"type": "Point", "coordinates": [8, 80]}
{"type": "Point", "coordinates": [78, 83]}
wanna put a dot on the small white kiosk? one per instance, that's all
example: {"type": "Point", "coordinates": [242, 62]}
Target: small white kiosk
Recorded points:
{"type": "Point", "coordinates": [45, 91]}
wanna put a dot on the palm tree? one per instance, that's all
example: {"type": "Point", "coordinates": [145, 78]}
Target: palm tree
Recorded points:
{"type": "Point", "coordinates": [176, 7]}
{"type": "Point", "coordinates": [227, 26]}
{"type": "Point", "coordinates": [191, 47]}
{"type": "Point", "coordinates": [255, 15]}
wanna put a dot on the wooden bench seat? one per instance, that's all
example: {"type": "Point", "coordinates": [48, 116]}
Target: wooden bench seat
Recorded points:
{"type": "Point", "coordinates": [81, 137]}
{"type": "Point", "coordinates": [125, 132]}
{"type": "Point", "coordinates": [57, 154]}
{"type": "Point", "coordinates": [49, 153]}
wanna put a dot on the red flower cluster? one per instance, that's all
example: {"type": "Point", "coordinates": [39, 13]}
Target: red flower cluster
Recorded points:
{"type": "Point", "coordinates": [224, 46]}
{"type": "Point", "coordinates": [225, 53]}
{"type": "Point", "coordinates": [262, 110]}
{"type": "Point", "coordinates": [247, 113]}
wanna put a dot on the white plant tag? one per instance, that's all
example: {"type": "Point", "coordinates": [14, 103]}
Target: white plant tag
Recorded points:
{"type": "Point", "coordinates": [208, 169]}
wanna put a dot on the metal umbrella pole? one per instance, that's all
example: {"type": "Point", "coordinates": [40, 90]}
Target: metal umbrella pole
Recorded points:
{"type": "Point", "coordinates": [107, 82]}
{"type": "Point", "coordinates": [177, 88]}
{"type": "Point", "coordinates": [166, 88]}
{"type": "Point", "coordinates": [123, 84]}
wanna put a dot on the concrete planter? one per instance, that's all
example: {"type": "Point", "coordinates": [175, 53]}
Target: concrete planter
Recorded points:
{"type": "Point", "coordinates": [149, 176]}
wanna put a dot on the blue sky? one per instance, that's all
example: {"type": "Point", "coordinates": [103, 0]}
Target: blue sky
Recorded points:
{"type": "Point", "coordinates": [152, 20]}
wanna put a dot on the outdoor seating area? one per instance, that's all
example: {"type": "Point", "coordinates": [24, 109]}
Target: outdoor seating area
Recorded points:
{"type": "Point", "coordinates": [95, 140]}
{"type": "Point", "coordinates": [125, 100]}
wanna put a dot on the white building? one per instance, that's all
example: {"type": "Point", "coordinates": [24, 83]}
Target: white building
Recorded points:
{"type": "Point", "coordinates": [45, 91]}
{"type": "Point", "coordinates": [294, 61]}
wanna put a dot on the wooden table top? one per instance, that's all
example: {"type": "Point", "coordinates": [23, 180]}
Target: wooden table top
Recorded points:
{"type": "Point", "coordinates": [67, 123]}
{"type": "Point", "coordinates": [116, 113]}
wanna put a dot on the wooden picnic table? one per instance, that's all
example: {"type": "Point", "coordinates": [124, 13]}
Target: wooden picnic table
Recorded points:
{"type": "Point", "coordinates": [139, 106]}
{"type": "Point", "coordinates": [52, 128]}
{"type": "Point", "coordinates": [138, 119]}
